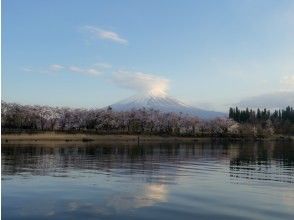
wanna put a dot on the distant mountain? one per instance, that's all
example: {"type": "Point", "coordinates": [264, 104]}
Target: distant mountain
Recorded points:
{"type": "Point", "coordinates": [275, 100]}
{"type": "Point", "coordinates": [163, 103]}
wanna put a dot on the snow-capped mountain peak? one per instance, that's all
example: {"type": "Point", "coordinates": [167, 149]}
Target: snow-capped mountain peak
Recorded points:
{"type": "Point", "coordinates": [162, 102]}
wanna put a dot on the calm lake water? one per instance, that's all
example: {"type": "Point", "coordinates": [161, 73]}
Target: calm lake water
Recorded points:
{"type": "Point", "coordinates": [153, 181]}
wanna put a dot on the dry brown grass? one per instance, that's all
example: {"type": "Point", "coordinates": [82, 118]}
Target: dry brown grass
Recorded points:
{"type": "Point", "coordinates": [53, 138]}
{"type": "Point", "coordinates": [62, 137]}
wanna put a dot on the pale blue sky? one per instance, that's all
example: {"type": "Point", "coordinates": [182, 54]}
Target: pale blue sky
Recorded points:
{"type": "Point", "coordinates": [92, 53]}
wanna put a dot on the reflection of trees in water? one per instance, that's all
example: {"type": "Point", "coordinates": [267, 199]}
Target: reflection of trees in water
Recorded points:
{"type": "Point", "coordinates": [41, 160]}
{"type": "Point", "coordinates": [264, 161]}
{"type": "Point", "coordinates": [246, 160]}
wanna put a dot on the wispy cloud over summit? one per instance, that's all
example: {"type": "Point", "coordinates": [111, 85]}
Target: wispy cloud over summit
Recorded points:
{"type": "Point", "coordinates": [141, 82]}
{"type": "Point", "coordinates": [105, 34]}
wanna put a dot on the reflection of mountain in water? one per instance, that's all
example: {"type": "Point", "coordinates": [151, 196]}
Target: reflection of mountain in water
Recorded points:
{"type": "Point", "coordinates": [271, 161]}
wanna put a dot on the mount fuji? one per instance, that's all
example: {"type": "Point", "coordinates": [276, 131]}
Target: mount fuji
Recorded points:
{"type": "Point", "coordinates": [163, 103]}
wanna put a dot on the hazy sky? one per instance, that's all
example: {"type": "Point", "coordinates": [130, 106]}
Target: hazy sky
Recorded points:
{"type": "Point", "coordinates": [93, 53]}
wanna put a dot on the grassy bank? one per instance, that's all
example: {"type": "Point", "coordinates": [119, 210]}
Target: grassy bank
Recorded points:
{"type": "Point", "coordinates": [64, 137]}
{"type": "Point", "coordinates": [82, 137]}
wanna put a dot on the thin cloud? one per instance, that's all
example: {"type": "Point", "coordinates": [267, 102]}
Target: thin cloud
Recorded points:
{"type": "Point", "coordinates": [27, 69]}
{"type": "Point", "coordinates": [141, 82]}
{"type": "Point", "coordinates": [105, 34]}
{"type": "Point", "coordinates": [94, 70]}
{"type": "Point", "coordinates": [287, 83]}
{"type": "Point", "coordinates": [87, 71]}
{"type": "Point", "coordinates": [47, 70]}
{"type": "Point", "coordinates": [56, 67]}
{"type": "Point", "coordinates": [102, 65]}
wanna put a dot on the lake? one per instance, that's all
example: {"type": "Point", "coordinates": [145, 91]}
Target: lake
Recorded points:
{"type": "Point", "coordinates": [151, 181]}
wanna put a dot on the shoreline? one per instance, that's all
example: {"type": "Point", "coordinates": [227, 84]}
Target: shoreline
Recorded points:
{"type": "Point", "coordinates": [82, 137]}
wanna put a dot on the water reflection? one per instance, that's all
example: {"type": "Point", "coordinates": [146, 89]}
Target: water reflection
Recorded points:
{"type": "Point", "coordinates": [268, 161]}
{"type": "Point", "coordinates": [149, 195]}
{"type": "Point", "coordinates": [245, 160]}
{"type": "Point", "coordinates": [171, 181]}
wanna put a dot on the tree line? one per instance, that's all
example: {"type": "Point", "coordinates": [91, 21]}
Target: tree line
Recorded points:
{"type": "Point", "coordinates": [35, 118]}
{"type": "Point", "coordinates": [281, 120]}
{"type": "Point", "coordinates": [16, 117]}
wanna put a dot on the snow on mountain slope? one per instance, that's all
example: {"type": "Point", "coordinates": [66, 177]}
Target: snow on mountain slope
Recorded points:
{"type": "Point", "coordinates": [162, 103]}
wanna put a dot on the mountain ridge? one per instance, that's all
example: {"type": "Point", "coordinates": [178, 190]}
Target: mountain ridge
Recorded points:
{"type": "Point", "coordinates": [163, 103]}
